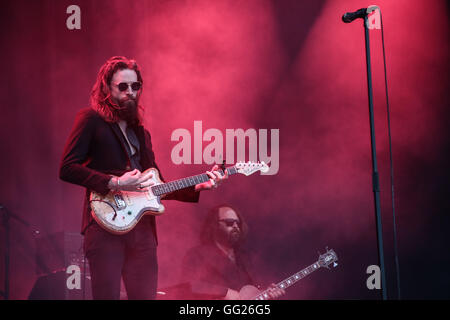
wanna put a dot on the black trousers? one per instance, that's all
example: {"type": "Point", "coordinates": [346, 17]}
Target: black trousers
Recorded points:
{"type": "Point", "coordinates": [131, 256]}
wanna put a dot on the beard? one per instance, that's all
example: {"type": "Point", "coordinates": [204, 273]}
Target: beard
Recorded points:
{"type": "Point", "coordinates": [128, 111]}
{"type": "Point", "coordinates": [230, 239]}
{"type": "Point", "coordinates": [234, 237]}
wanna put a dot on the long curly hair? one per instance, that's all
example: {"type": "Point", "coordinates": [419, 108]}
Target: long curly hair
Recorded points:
{"type": "Point", "coordinates": [100, 99]}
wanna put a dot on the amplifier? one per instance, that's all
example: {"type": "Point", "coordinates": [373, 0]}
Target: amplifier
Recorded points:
{"type": "Point", "coordinates": [63, 271]}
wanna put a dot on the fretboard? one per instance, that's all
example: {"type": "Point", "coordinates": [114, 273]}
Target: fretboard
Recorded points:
{"type": "Point", "coordinates": [290, 281]}
{"type": "Point", "coordinates": [175, 185]}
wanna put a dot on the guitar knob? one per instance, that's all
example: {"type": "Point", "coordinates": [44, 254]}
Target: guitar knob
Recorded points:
{"type": "Point", "coordinates": [335, 264]}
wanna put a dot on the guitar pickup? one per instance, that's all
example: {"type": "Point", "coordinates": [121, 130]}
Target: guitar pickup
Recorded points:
{"type": "Point", "coordinates": [120, 203]}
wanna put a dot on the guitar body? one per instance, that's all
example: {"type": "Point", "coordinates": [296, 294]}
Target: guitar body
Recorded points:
{"type": "Point", "coordinates": [248, 292]}
{"type": "Point", "coordinates": [119, 211]}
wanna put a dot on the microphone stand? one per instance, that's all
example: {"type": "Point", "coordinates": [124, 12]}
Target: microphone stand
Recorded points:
{"type": "Point", "coordinates": [375, 176]}
{"type": "Point", "coordinates": [5, 221]}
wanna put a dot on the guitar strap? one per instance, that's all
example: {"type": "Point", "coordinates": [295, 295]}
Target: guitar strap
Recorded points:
{"type": "Point", "coordinates": [131, 139]}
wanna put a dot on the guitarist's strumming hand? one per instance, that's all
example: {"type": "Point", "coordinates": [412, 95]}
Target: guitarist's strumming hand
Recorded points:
{"type": "Point", "coordinates": [132, 181]}
{"type": "Point", "coordinates": [232, 295]}
{"type": "Point", "coordinates": [216, 179]}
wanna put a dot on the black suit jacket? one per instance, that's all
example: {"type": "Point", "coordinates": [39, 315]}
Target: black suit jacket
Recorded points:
{"type": "Point", "coordinates": [96, 149]}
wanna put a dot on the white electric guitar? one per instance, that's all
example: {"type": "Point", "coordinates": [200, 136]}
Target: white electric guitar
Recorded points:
{"type": "Point", "coordinates": [119, 211]}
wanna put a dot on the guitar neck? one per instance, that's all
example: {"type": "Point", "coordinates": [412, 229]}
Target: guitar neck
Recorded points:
{"type": "Point", "coordinates": [291, 280]}
{"type": "Point", "coordinates": [176, 185]}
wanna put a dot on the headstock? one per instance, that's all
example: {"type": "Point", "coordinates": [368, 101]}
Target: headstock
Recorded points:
{"type": "Point", "coordinates": [248, 168]}
{"type": "Point", "coordinates": [328, 258]}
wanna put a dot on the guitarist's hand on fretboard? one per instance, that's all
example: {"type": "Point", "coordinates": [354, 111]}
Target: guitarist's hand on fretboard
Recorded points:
{"type": "Point", "coordinates": [216, 179]}
{"type": "Point", "coordinates": [274, 292]}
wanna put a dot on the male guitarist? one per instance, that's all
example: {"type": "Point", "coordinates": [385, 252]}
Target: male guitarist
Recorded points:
{"type": "Point", "coordinates": [219, 268]}
{"type": "Point", "coordinates": [109, 149]}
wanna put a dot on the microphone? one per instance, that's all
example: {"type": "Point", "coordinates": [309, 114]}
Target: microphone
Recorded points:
{"type": "Point", "coordinates": [350, 16]}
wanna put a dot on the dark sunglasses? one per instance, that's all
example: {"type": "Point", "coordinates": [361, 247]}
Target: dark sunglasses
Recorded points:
{"type": "Point", "coordinates": [135, 86]}
{"type": "Point", "coordinates": [230, 222]}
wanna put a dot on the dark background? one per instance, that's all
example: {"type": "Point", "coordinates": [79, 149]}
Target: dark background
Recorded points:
{"type": "Point", "coordinates": [287, 65]}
